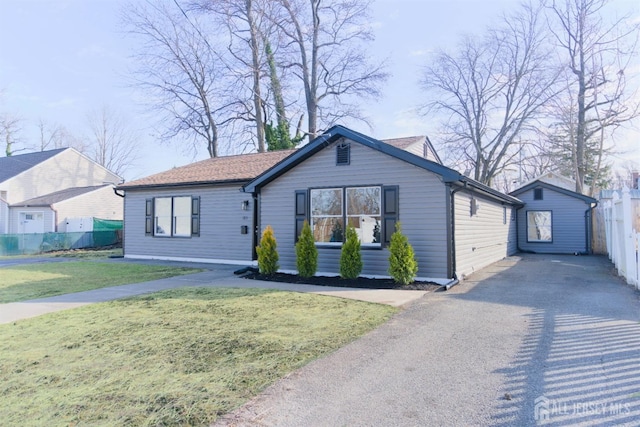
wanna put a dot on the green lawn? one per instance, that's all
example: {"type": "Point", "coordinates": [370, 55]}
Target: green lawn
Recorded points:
{"type": "Point", "coordinates": [31, 281]}
{"type": "Point", "coordinates": [179, 357]}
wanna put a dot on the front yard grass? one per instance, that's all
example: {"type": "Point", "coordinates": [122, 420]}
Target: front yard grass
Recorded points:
{"type": "Point", "coordinates": [42, 280]}
{"type": "Point", "coordinates": [178, 357]}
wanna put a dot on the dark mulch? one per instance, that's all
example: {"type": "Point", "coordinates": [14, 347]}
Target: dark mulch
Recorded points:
{"type": "Point", "coordinates": [360, 282]}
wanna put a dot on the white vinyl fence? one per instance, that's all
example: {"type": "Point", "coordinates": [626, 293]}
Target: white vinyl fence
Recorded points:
{"type": "Point", "coordinates": [623, 239]}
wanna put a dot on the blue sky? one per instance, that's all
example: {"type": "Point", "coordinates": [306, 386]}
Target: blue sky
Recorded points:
{"type": "Point", "coordinates": [59, 59]}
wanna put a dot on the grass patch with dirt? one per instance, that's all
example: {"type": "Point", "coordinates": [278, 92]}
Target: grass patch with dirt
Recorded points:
{"type": "Point", "coordinates": [42, 280]}
{"type": "Point", "coordinates": [178, 357]}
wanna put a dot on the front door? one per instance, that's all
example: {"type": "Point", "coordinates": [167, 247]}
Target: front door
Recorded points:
{"type": "Point", "coordinates": [31, 222]}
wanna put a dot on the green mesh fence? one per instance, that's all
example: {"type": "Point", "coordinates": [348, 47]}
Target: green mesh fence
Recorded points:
{"type": "Point", "coordinates": [29, 244]}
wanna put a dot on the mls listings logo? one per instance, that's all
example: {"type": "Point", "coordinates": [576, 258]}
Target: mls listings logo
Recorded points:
{"type": "Point", "coordinates": [541, 409]}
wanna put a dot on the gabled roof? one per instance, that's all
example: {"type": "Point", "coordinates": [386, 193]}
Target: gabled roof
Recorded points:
{"type": "Point", "coordinates": [217, 170]}
{"type": "Point", "coordinates": [58, 196]}
{"type": "Point", "coordinates": [542, 184]}
{"type": "Point", "coordinates": [336, 132]}
{"type": "Point", "coordinates": [14, 165]}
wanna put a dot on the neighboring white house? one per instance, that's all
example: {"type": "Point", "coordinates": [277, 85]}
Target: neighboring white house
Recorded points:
{"type": "Point", "coordinates": [27, 177]}
{"type": "Point", "coordinates": [52, 212]}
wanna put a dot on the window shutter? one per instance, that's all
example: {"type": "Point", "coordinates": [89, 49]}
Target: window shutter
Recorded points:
{"type": "Point", "coordinates": [148, 217]}
{"type": "Point", "coordinates": [301, 211]}
{"type": "Point", "coordinates": [390, 212]}
{"type": "Point", "coordinates": [195, 216]}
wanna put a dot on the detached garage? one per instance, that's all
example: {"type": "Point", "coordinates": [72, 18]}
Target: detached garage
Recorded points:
{"type": "Point", "coordinates": [554, 220]}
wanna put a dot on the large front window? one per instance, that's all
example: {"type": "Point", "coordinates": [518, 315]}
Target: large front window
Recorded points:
{"type": "Point", "coordinates": [173, 216]}
{"type": "Point", "coordinates": [539, 226]}
{"type": "Point", "coordinates": [358, 207]}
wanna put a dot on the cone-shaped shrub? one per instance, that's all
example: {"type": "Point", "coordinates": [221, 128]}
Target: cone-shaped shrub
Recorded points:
{"type": "Point", "coordinates": [350, 257]}
{"type": "Point", "coordinates": [306, 252]}
{"type": "Point", "coordinates": [403, 266]}
{"type": "Point", "coordinates": [267, 252]}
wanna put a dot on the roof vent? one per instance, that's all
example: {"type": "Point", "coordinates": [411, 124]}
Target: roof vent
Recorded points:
{"type": "Point", "coordinates": [343, 153]}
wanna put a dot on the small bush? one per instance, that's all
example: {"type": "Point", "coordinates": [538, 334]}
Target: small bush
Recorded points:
{"type": "Point", "coordinates": [306, 252]}
{"type": "Point", "coordinates": [403, 266]}
{"type": "Point", "coordinates": [350, 257]}
{"type": "Point", "coordinates": [267, 252]}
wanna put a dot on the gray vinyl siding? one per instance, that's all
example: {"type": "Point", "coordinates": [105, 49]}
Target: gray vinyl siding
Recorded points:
{"type": "Point", "coordinates": [221, 218]}
{"type": "Point", "coordinates": [567, 222]}
{"type": "Point", "coordinates": [513, 230]}
{"type": "Point", "coordinates": [483, 238]}
{"type": "Point", "coordinates": [422, 210]}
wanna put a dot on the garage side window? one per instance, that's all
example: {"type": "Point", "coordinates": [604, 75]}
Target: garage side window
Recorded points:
{"type": "Point", "coordinates": [177, 216]}
{"type": "Point", "coordinates": [539, 227]}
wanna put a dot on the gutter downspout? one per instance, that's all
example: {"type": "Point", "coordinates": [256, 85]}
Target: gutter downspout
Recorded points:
{"type": "Point", "coordinates": [587, 228]}
{"type": "Point", "coordinates": [451, 232]}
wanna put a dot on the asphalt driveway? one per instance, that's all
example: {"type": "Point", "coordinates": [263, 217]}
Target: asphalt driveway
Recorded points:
{"type": "Point", "coordinates": [530, 340]}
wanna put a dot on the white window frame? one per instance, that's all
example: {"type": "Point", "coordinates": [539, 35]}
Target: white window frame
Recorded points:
{"type": "Point", "coordinates": [531, 223]}
{"type": "Point", "coordinates": [344, 214]}
{"type": "Point", "coordinates": [172, 228]}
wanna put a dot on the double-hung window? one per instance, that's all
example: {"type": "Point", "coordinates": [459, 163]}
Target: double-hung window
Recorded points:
{"type": "Point", "coordinates": [177, 216]}
{"type": "Point", "coordinates": [334, 208]}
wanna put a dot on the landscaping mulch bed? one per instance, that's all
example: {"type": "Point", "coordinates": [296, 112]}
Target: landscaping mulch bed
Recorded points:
{"type": "Point", "coordinates": [360, 282]}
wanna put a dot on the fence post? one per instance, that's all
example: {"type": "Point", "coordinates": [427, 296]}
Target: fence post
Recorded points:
{"type": "Point", "coordinates": [629, 241]}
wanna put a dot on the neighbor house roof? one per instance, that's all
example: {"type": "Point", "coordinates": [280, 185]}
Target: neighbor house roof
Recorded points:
{"type": "Point", "coordinates": [58, 196]}
{"type": "Point", "coordinates": [406, 142]}
{"type": "Point", "coordinates": [14, 165]}
{"type": "Point", "coordinates": [337, 132]}
{"type": "Point", "coordinates": [217, 170]}
{"type": "Point", "coordinates": [538, 184]}
{"type": "Point", "coordinates": [556, 179]}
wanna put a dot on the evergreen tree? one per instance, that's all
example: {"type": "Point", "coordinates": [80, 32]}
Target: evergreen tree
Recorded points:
{"type": "Point", "coordinates": [350, 257]}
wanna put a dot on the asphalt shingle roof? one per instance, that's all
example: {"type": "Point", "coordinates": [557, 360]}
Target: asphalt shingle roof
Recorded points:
{"type": "Point", "coordinates": [14, 165]}
{"type": "Point", "coordinates": [242, 167]}
{"type": "Point", "coordinates": [58, 196]}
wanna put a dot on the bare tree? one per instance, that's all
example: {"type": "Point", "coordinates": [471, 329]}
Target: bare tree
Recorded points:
{"type": "Point", "coordinates": [491, 93]}
{"type": "Point", "coordinates": [179, 70]}
{"type": "Point", "coordinates": [245, 24]}
{"type": "Point", "coordinates": [596, 97]}
{"type": "Point", "coordinates": [113, 142]}
{"type": "Point", "coordinates": [10, 132]}
{"type": "Point", "coordinates": [326, 53]}
{"type": "Point", "coordinates": [51, 136]}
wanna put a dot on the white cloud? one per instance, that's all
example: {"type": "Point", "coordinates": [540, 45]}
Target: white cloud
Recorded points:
{"type": "Point", "coordinates": [420, 52]}
{"type": "Point", "coordinates": [63, 102]}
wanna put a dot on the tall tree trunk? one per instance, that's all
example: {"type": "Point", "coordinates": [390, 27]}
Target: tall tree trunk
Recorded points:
{"type": "Point", "coordinates": [257, 98]}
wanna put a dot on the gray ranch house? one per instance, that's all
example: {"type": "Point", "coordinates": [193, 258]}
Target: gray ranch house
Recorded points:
{"type": "Point", "coordinates": [215, 210]}
{"type": "Point", "coordinates": [554, 220]}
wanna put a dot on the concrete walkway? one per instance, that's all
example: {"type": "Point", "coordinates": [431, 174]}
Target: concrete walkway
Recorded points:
{"type": "Point", "coordinates": [530, 340]}
{"type": "Point", "coordinates": [216, 276]}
